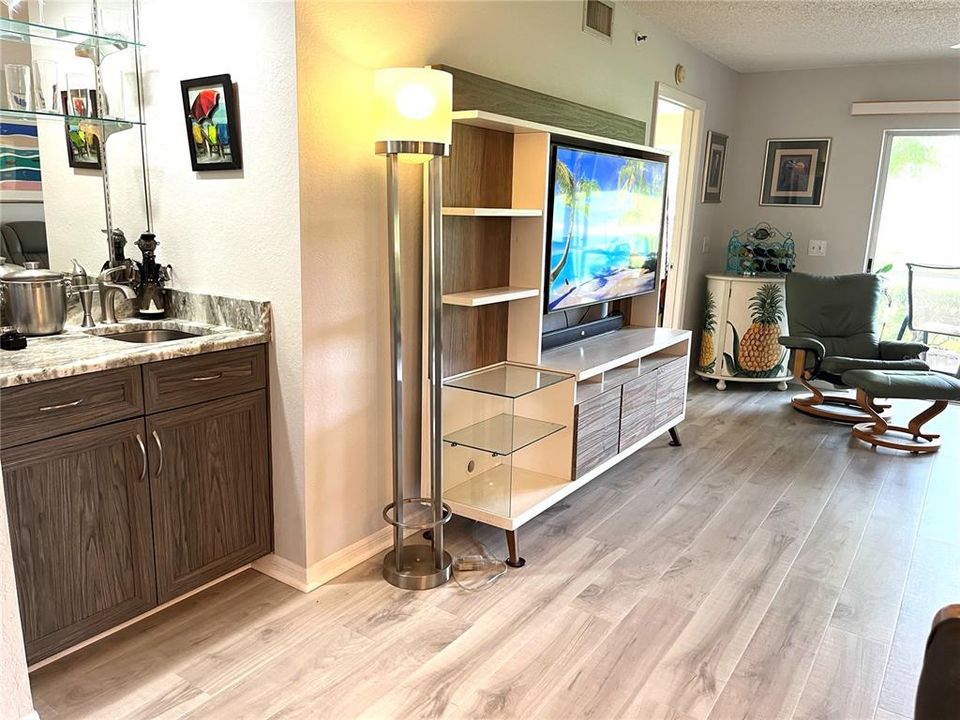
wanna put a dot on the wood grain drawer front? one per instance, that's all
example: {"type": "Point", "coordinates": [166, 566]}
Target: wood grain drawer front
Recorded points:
{"type": "Point", "coordinates": [639, 409]}
{"type": "Point", "coordinates": [210, 485]}
{"type": "Point", "coordinates": [186, 381]}
{"type": "Point", "coordinates": [56, 407]}
{"type": "Point", "coordinates": [597, 431]}
{"type": "Point", "coordinates": [671, 390]}
{"type": "Point", "coordinates": [79, 513]}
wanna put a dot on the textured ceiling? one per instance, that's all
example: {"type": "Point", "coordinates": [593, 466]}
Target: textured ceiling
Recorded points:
{"type": "Point", "coordinates": [758, 35]}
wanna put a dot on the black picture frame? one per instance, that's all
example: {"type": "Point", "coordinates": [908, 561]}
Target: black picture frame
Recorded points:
{"type": "Point", "coordinates": [214, 115]}
{"type": "Point", "coordinates": [75, 159]}
{"type": "Point", "coordinates": [794, 172]}
{"type": "Point", "coordinates": [714, 162]}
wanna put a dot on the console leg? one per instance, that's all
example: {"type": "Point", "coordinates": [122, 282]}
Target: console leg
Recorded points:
{"type": "Point", "coordinates": [781, 386]}
{"type": "Point", "coordinates": [514, 561]}
{"type": "Point", "coordinates": [428, 534]}
{"type": "Point", "coordinates": [674, 437]}
{"type": "Point", "coordinates": [721, 384]}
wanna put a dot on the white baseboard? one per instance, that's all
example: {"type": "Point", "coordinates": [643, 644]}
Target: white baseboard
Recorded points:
{"type": "Point", "coordinates": [322, 572]}
{"type": "Point", "coordinates": [31, 716]}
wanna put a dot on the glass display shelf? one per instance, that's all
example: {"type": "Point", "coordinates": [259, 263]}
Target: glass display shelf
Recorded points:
{"type": "Point", "coordinates": [503, 491]}
{"type": "Point", "coordinates": [114, 122]}
{"type": "Point", "coordinates": [22, 31]}
{"type": "Point", "coordinates": [503, 434]}
{"type": "Point", "coordinates": [507, 380]}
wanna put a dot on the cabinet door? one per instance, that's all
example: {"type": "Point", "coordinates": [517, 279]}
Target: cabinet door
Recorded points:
{"type": "Point", "coordinates": [210, 483]}
{"type": "Point", "coordinates": [79, 511]}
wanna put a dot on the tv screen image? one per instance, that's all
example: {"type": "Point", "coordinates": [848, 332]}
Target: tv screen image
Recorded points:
{"type": "Point", "coordinates": [607, 217]}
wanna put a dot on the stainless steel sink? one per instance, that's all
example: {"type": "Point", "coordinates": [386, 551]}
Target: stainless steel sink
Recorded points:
{"type": "Point", "coordinates": [151, 336]}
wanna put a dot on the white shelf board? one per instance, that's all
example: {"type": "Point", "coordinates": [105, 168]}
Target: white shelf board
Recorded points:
{"type": "Point", "coordinates": [593, 356]}
{"type": "Point", "coordinates": [491, 212]}
{"type": "Point", "coordinates": [489, 296]}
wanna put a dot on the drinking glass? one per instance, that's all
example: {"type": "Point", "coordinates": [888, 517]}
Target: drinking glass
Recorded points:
{"type": "Point", "coordinates": [18, 86]}
{"type": "Point", "coordinates": [45, 84]}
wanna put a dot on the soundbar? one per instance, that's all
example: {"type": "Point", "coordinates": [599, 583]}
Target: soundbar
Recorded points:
{"type": "Point", "coordinates": [565, 336]}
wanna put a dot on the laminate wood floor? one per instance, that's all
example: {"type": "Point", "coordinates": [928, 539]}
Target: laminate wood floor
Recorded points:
{"type": "Point", "coordinates": [772, 567]}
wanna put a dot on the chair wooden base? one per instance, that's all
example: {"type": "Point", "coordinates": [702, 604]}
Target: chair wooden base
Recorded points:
{"type": "Point", "coordinates": [910, 438]}
{"type": "Point", "coordinates": [836, 407]}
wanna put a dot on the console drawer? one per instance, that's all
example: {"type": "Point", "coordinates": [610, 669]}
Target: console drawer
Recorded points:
{"type": "Point", "coordinates": [186, 381]}
{"type": "Point", "coordinates": [55, 407]}
{"type": "Point", "coordinates": [639, 409]}
{"type": "Point", "coordinates": [671, 390]}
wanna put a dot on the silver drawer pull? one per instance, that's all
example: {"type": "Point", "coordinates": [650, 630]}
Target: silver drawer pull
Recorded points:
{"type": "Point", "coordinates": [48, 408]}
{"type": "Point", "coordinates": [160, 449]}
{"type": "Point", "coordinates": [203, 378]}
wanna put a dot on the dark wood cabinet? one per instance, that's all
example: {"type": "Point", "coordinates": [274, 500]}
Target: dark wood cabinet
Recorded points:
{"type": "Point", "coordinates": [210, 483]}
{"type": "Point", "coordinates": [79, 512]}
{"type": "Point", "coordinates": [143, 506]}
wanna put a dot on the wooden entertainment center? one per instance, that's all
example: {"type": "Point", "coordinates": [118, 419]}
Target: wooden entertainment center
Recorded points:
{"type": "Point", "coordinates": [524, 428]}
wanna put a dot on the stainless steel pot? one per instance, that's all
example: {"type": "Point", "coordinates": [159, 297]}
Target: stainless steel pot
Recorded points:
{"type": "Point", "coordinates": [35, 300]}
{"type": "Point", "coordinates": [5, 269]}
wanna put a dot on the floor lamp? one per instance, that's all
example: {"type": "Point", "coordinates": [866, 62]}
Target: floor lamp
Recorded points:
{"type": "Point", "coordinates": [413, 117]}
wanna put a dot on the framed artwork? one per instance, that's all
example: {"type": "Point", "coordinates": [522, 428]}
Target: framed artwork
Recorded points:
{"type": "Point", "coordinates": [213, 133]}
{"type": "Point", "coordinates": [19, 161]}
{"type": "Point", "coordinates": [83, 148]}
{"type": "Point", "coordinates": [714, 159]}
{"type": "Point", "coordinates": [794, 172]}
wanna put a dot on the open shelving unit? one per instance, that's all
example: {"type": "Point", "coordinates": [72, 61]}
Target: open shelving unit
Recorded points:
{"type": "Point", "coordinates": [523, 428]}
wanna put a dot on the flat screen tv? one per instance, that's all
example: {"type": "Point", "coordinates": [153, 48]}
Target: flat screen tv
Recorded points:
{"type": "Point", "coordinates": [606, 214]}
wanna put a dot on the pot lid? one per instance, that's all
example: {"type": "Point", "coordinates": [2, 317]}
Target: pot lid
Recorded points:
{"type": "Point", "coordinates": [32, 272]}
{"type": "Point", "coordinates": [7, 268]}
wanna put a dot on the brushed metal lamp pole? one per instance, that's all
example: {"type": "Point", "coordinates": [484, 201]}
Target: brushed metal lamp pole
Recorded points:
{"type": "Point", "coordinates": [413, 118]}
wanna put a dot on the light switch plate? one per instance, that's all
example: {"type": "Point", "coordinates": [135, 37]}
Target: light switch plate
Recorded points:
{"type": "Point", "coordinates": [817, 247]}
{"type": "Point", "coordinates": [706, 245]}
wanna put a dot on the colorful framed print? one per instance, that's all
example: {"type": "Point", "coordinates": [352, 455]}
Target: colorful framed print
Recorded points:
{"type": "Point", "coordinates": [794, 172]}
{"type": "Point", "coordinates": [83, 147]}
{"type": "Point", "coordinates": [19, 162]}
{"type": "Point", "coordinates": [714, 159]}
{"type": "Point", "coordinates": [213, 133]}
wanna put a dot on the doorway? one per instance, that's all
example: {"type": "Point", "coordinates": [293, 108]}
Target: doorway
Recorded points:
{"type": "Point", "coordinates": [677, 122]}
{"type": "Point", "coordinates": [915, 220]}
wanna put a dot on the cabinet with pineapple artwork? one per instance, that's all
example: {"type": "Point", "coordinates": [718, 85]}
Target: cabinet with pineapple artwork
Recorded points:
{"type": "Point", "coordinates": [743, 317]}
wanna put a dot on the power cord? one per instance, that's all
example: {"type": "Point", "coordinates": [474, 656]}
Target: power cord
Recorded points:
{"type": "Point", "coordinates": [483, 565]}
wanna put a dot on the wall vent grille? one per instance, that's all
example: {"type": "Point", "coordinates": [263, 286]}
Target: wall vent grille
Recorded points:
{"type": "Point", "coordinates": [598, 18]}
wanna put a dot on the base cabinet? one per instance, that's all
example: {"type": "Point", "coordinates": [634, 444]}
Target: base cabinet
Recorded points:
{"type": "Point", "coordinates": [80, 532]}
{"type": "Point", "coordinates": [109, 520]}
{"type": "Point", "coordinates": [210, 482]}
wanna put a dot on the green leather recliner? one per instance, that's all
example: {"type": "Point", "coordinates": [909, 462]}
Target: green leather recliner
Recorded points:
{"type": "Point", "coordinates": [833, 328]}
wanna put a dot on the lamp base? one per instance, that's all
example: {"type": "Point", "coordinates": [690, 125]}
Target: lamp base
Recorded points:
{"type": "Point", "coordinates": [418, 570]}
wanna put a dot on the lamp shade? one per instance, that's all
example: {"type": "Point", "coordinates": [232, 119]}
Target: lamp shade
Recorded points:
{"type": "Point", "coordinates": [413, 105]}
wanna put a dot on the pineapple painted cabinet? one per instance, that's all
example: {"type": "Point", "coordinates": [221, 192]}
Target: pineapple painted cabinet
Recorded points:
{"type": "Point", "coordinates": [743, 318]}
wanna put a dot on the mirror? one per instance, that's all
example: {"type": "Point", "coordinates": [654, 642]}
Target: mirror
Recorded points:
{"type": "Point", "coordinates": [72, 151]}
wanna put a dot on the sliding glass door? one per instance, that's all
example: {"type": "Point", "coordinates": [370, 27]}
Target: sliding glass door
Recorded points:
{"type": "Point", "coordinates": [916, 219]}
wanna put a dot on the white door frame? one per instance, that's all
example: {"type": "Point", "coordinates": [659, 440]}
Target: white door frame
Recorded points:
{"type": "Point", "coordinates": [888, 135]}
{"type": "Point", "coordinates": [686, 198]}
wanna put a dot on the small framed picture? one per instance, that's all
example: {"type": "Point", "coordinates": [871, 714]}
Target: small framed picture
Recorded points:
{"type": "Point", "coordinates": [794, 172]}
{"type": "Point", "coordinates": [714, 158]}
{"type": "Point", "coordinates": [83, 147]}
{"type": "Point", "coordinates": [213, 133]}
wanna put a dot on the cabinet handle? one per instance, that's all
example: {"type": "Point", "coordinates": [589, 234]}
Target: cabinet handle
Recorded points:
{"type": "Point", "coordinates": [203, 378]}
{"type": "Point", "coordinates": [143, 453]}
{"type": "Point", "coordinates": [160, 448]}
{"type": "Point", "coordinates": [61, 407]}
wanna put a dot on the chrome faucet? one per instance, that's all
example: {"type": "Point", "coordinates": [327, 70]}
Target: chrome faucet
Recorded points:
{"type": "Point", "coordinates": [108, 290]}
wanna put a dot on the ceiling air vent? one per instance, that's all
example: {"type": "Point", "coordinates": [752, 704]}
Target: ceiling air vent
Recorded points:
{"type": "Point", "coordinates": [598, 18]}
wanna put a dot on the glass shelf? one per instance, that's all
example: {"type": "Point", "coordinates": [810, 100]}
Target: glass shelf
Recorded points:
{"type": "Point", "coordinates": [507, 380]}
{"type": "Point", "coordinates": [21, 31]}
{"type": "Point", "coordinates": [503, 434]}
{"type": "Point", "coordinates": [114, 123]}
{"type": "Point", "coordinates": [503, 492]}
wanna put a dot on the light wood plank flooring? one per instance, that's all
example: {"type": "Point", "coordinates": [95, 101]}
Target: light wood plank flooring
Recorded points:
{"type": "Point", "coordinates": [772, 567]}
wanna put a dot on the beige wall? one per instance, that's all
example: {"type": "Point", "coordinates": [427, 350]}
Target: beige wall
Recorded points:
{"type": "Point", "coordinates": [538, 45]}
{"type": "Point", "coordinates": [816, 103]}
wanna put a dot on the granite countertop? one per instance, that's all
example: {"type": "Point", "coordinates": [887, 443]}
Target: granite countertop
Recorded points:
{"type": "Point", "coordinates": [77, 350]}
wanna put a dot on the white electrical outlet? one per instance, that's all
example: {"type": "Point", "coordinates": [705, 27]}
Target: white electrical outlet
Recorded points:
{"type": "Point", "coordinates": [817, 247]}
{"type": "Point", "coordinates": [706, 245]}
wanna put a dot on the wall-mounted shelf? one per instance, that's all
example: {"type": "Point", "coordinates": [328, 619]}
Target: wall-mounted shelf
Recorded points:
{"type": "Point", "coordinates": [491, 212]}
{"type": "Point", "coordinates": [489, 296]}
{"type": "Point", "coordinates": [21, 31]}
{"type": "Point", "coordinates": [111, 122]}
